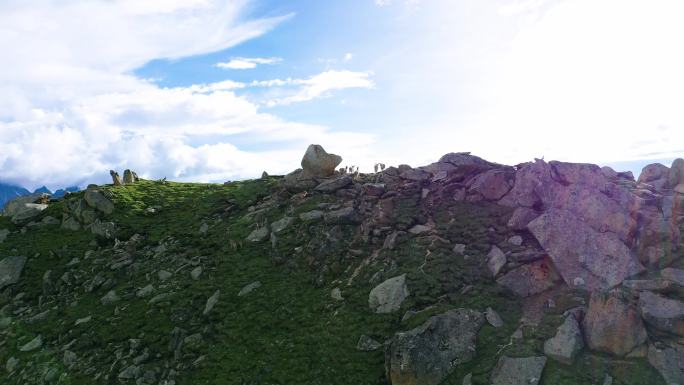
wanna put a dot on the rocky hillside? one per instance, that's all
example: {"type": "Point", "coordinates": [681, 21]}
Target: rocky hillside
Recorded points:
{"type": "Point", "coordinates": [460, 272]}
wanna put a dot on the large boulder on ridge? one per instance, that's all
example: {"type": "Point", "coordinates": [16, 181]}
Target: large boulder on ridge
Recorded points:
{"type": "Point", "coordinates": [388, 296]}
{"type": "Point", "coordinates": [427, 354]}
{"type": "Point", "coordinates": [10, 270]}
{"type": "Point", "coordinates": [317, 163]}
{"type": "Point", "coordinates": [582, 255]}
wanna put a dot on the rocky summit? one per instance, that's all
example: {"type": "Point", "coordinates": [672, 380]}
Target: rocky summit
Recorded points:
{"type": "Point", "coordinates": [463, 271]}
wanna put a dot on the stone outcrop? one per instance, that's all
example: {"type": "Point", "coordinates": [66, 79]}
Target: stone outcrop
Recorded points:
{"type": "Point", "coordinates": [662, 313]}
{"type": "Point", "coordinates": [612, 324]}
{"type": "Point", "coordinates": [427, 354]}
{"type": "Point", "coordinates": [567, 342]}
{"type": "Point", "coordinates": [130, 177]}
{"type": "Point", "coordinates": [10, 270]}
{"type": "Point", "coordinates": [518, 371]}
{"type": "Point", "coordinates": [116, 179]}
{"type": "Point", "coordinates": [96, 199]}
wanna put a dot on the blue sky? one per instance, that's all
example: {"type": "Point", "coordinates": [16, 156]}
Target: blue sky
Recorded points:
{"type": "Point", "coordinates": [214, 90]}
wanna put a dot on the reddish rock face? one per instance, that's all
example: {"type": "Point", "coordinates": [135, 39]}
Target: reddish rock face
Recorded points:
{"type": "Point", "coordinates": [612, 325]}
{"type": "Point", "coordinates": [492, 185]}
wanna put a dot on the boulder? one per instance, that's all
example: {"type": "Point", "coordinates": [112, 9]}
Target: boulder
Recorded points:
{"type": "Point", "coordinates": [612, 324]}
{"type": "Point", "coordinates": [388, 296]}
{"type": "Point", "coordinates": [427, 354]}
{"type": "Point", "coordinates": [259, 235]}
{"type": "Point", "coordinates": [599, 260]}
{"type": "Point", "coordinates": [496, 260]}
{"type": "Point", "coordinates": [657, 238]}
{"type": "Point", "coordinates": [367, 344]}
{"type": "Point", "coordinates": [491, 185]}
{"type": "Point", "coordinates": [518, 371]}
{"type": "Point", "coordinates": [298, 181]}
{"type": "Point", "coordinates": [567, 342]}
{"type": "Point", "coordinates": [609, 173]}
{"type": "Point", "coordinates": [95, 199]}
{"type": "Point", "coordinates": [493, 318]}
{"type": "Point", "coordinates": [577, 173]}
{"type": "Point", "coordinates": [675, 275]}
{"type": "Point", "coordinates": [16, 205]}
{"type": "Point", "coordinates": [103, 229]}
{"type": "Point", "coordinates": [3, 234]}
{"type": "Point", "coordinates": [662, 313]}
{"type": "Point", "coordinates": [334, 184]}
{"type": "Point", "coordinates": [282, 224]}
{"type": "Point", "coordinates": [521, 217]}
{"type": "Point", "coordinates": [465, 159]}
{"type": "Point", "coordinates": [416, 175]}
{"type": "Point", "coordinates": [668, 362]}
{"type": "Point", "coordinates": [658, 285]}
{"type": "Point", "coordinates": [116, 179]}
{"type": "Point", "coordinates": [311, 216]}
{"type": "Point", "coordinates": [530, 279]}
{"type": "Point", "coordinates": [677, 172]}
{"type": "Point", "coordinates": [317, 163]}
{"type": "Point", "coordinates": [249, 288]}
{"type": "Point", "coordinates": [656, 175]}
{"type": "Point", "coordinates": [345, 215]}
{"type": "Point", "coordinates": [10, 270]}
{"type": "Point", "coordinates": [130, 177]}
{"type": "Point", "coordinates": [27, 212]}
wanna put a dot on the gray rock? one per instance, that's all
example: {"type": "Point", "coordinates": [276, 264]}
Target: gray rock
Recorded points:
{"type": "Point", "coordinates": [521, 217]}
{"type": "Point", "coordinates": [110, 298]}
{"type": "Point", "coordinates": [196, 273]}
{"type": "Point", "coordinates": [496, 260]}
{"type": "Point", "coordinates": [345, 215]}
{"type": "Point", "coordinates": [211, 302]}
{"type": "Point", "coordinates": [116, 179]}
{"type": "Point", "coordinates": [332, 185]}
{"type": "Point", "coordinates": [10, 270]}
{"type": "Point", "coordinates": [459, 249]}
{"type": "Point", "coordinates": [601, 260]}
{"type": "Point", "coordinates": [367, 344]}
{"type": "Point", "coordinates": [3, 234]}
{"type": "Point", "coordinates": [530, 279]}
{"type": "Point", "coordinates": [259, 235]}
{"type": "Point", "coordinates": [27, 212]}
{"type": "Point", "coordinates": [69, 358]}
{"type": "Point", "coordinates": [515, 240]}
{"type": "Point", "coordinates": [419, 229]}
{"type": "Point", "coordinates": [468, 379]}
{"type": "Point", "coordinates": [492, 184]}
{"type": "Point", "coordinates": [70, 223]}
{"type": "Point", "coordinates": [311, 216]}
{"type": "Point", "coordinates": [281, 224]}
{"type": "Point", "coordinates": [427, 354]}
{"type": "Point", "coordinates": [608, 380]}
{"type": "Point", "coordinates": [103, 229]}
{"type": "Point", "coordinates": [388, 296]}
{"type": "Point", "coordinates": [95, 199]}
{"type": "Point", "coordinates": [249, 288]}
{"type": "Point", "coordinates": [668, 362]}
{"type": "Point", "coordinates": [164, 275]}
{"type": "Point", "coordinates": [493, 318]}
{"type": "Point", "coordinates": [336, 294]}
{"type": "Point", "coordinates": [131, 372]}
{"type": "Point", "coordinates": [518, 371]}
{"type": "Point", "coordinates": [318, 163]}
{"type": "Point", "coordinates": [83, 320]}
{"type": "Point", "coordinates": [675, 275]}
{"type": "Point", "coordinates": [11, 365]}
{"type": "Point", "coordinates": [416, 175]}
{"type": "Point", "coordinates": [145, 291]}
{"type": "Point", "coordinates": [659, 285]}
{"type": "Point", "coordinates": [662, 313]}
{"type": "Point", "coordinates": [204, 229]}
{"type": "Point", "coordinates": [32, 345]}
{"type": "Point", "coordinates": [567, 342]}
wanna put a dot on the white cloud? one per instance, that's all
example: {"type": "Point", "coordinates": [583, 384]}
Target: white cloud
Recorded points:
{"type": "Point", "coordinates": [320, 85]}
{"type": "Point", "coordinates": [348, 56]}
{"type": "Point", "coordinates": [243, 63]}
{"type": "Point", "coordinates": [70, 109]}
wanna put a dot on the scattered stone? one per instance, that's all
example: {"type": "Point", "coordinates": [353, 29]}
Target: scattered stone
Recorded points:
{"type": "Point", "coordinates": [109, 298]}
{"type": "Point", "coordinates": [493, 318]}
{"type": "Point", "coordinates": [521, 217]}
{"type": "Point", "coordinates": [515, 240]}
{"type": "Point", "coordinates": [196, 273]}
{"type": "Point", "coordinates": [145, 291]}
{"type": "Point", "coordinates": [131, 372]}
{"type": "Point", "coordinates": [459, 249]}
{"type": "Point", "coordinates": [204, 229]}
{"type": "Point", "coordinates": [83, 320]}
{"type": "Point", "coordinates": [518, 371]}
{"type": "Point", "coordinates": [496, 260]}
{"type": "Point", "coordinates": [116, 179]}
{"type": "Point", "coordinates": [3, 234]}
{"type": "Point", "coordinates": [281, 224]}
{"type": "Point", "coordinates": [259, 235]}
{"type": "Point", "coordinates": [32, 345]}
{"type": "Point", "coordinates": [675, 275]}
{"type": "Point", "coordinates": [211, 302]}
{"type": "Point", "coordinates": [419, 229]}
{"type": "Point", "coordinates": [164, 275]}
{"type": "Point", "coordinates": [249, 288]}
{"type": "Point", "coordinates": [530, 279]}
{"type": "Point", "coordinates": [367, 344]}
{"type": "Point", "coordinates": [336, 294]}
{"type": "Point", "coordinates": [567, 342]}
{"type": "Point", "coordinates": [427, 354]}
{"type": "Point", "coordinates": [311, 216]}
{"type": "Point", "coordinates": [662, 313]}
{"type": "Point", "coordinates": [103, 229]}
{"type": "Point", "coordinates": [388, 296]}
{"type": "Point", "coordinates": [10, 270]}
{"type": "Point", "coordinates": [70, 223]}
{"type": "Point", "coordinates": [492, 184]}
{"type": "Point", "coordinates": [69, 358]}
{"type": "Point", "coordinates": [612, 325]}
{"type": "Point", "coordinates": [11, 365]}
{"type": "Point", "coordinates": [130, 177]}
{"type": "Point", "coordinates": [317, 163]}
{"type": "Point", "coordinates": [608, 380]}
{"type": "Point", "coordinates": [374, 189]}
{"type": "Point", "coordinates": [468, 379]}
{"type": "Point", "coordinates": [346, 215]}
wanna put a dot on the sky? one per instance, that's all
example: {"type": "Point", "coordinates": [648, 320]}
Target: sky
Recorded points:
{"type": "Point", "coordinates": [217, 90]}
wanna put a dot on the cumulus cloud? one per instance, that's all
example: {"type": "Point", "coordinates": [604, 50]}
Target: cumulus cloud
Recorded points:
{"type": "Point", "coordinates": [245, 63]}
{"type": "Point", "coordinates": [70, 109]}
